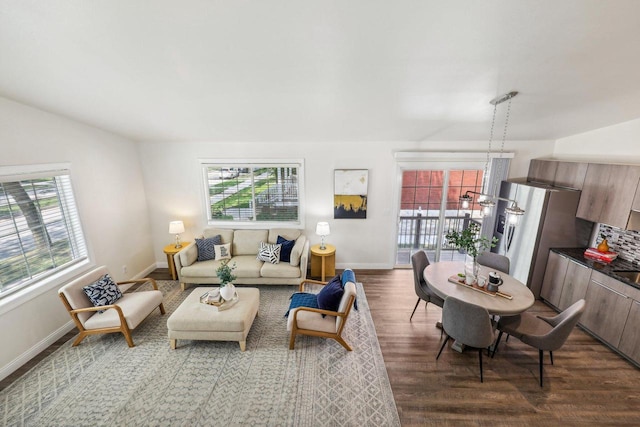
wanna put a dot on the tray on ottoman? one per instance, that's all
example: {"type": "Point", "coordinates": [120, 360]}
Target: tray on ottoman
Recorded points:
{"type": "Point", "coordinates": [193, 320]}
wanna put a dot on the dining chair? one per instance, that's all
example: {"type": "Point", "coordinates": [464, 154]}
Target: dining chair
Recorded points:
{"type": "Point", "coordinates": [420, 261]}
{"type": "Point", "coordinates": [468, 324]}
{"type": "Point", "coordinates": [543, 333]}
{"type": "Point", "coordinates": [495, 261]}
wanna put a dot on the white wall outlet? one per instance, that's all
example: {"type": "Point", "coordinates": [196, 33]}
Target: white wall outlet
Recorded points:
{"type": "Point", "coordinates": [124, 269]}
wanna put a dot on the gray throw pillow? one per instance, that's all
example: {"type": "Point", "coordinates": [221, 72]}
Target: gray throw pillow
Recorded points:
{"type": "Point", "coordinates": [206, 247]}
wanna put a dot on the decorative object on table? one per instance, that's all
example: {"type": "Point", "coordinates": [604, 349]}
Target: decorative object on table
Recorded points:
{"type": "Point", "coordinates": [350, 193]}
{"type": "Point", "coordinates": [215, 299]}
{"type": "Point", "coordinates": [226, 276]}
{"type": "Point", "coordinates": [604, 245]}
{"type": "Point", "coordinates": [470, 241]}
{"type": "Point", "coordinates": [595, 254]}
{"type": "Point", "coordinates": [323, 230]}
{"type": "Point", "coordinates": [494, 281]}
{"type": "Point", "coordinates": [176, 227]}
{"type": "Point", "coordinates": [459, 280]}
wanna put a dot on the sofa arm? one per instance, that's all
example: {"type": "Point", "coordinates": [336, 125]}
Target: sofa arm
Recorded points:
{"type": "Point", "coordinates": [188, 253]}
{"type": "Point", "coordinates": [304, 261]}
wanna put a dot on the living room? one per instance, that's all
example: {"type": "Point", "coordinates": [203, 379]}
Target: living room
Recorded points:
{"type": "Point", "coordinates": [131, 178]}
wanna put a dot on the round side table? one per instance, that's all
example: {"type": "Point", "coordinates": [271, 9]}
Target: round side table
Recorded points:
{"type": "Point", "coordinates": [171, 250]}
{"type": "Point", "coordinates": [323, 261]}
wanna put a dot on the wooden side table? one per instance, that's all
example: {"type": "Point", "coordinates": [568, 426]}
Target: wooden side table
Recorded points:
{"type": "Point", "coordinates": [323, 261]}
{"type": "Point", "coordinates": [171, 250]}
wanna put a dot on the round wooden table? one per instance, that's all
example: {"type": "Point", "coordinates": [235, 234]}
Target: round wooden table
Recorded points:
{"type": "Point", "coordinates": [437, 277]}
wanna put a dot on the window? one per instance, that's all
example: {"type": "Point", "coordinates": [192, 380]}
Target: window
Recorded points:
{"type": "Point", "coordinates": [251, 192]}
{"type": "Point", "coordinates": [40, 232]}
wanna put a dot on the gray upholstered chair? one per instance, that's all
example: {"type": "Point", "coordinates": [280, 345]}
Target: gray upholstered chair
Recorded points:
{"type": "Point", "coordinates": [122, 316]}
{"type": "Point", "coordinates": [419, 261]}
{"type": "Point", "coordinates": [543, 333]}
{"type": "Point", "coordinates": [493, 260]}
{"type": "Point", "coordinates": [469, 324]}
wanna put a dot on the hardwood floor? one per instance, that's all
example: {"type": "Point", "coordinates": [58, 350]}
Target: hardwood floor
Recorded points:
{"type": "Point", "coordinates": [588, 384]}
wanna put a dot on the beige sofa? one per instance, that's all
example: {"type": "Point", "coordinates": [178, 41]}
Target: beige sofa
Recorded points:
{"type": "Point", "coordinates": [245, 245]}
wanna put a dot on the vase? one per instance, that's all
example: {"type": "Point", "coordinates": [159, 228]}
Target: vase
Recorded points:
{"type": "Point", "coordinates": [603, 246]}
{"type": "Point", "coordinates": [227, 291]}
{"type": "Point", "coordinates": [471, 269]}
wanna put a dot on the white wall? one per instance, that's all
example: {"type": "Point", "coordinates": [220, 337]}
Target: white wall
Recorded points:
{"type": "Point", "coordinates": [109, 192]}
{"type": "Point", "coordinates": [619, 143]}
{"type": "Point", "coordinates": [174, 187]}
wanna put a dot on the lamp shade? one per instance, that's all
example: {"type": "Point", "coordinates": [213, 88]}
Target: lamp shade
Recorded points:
{"type": "Point", "coordinates": [322, 229]}
{"type": "Point", "coordinates": [176, 227]}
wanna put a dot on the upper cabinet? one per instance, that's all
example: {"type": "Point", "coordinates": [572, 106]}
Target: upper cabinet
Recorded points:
{"type": "Point", "coordinates": [558, 173]}
{"type": "Point", "coordinates": [608, 194]}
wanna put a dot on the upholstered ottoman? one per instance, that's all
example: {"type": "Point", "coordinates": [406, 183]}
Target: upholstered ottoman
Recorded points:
{"type": "Point", "coordinates": [194, 320]}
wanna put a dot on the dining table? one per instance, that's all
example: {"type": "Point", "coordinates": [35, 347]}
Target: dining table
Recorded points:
{"type": "Point", "coordinates": [513, 298]}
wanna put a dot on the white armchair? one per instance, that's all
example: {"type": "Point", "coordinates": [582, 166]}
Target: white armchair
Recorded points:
{"type": "Point", "coordinates": [122, 316]}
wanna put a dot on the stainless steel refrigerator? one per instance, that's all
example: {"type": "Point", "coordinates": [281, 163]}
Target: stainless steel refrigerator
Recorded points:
{"type": "Point", "coordinates": [549, 221]}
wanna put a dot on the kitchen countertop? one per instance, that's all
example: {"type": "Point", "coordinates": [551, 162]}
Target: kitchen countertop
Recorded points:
{"type": "Point", "coordinates": [577, 255]}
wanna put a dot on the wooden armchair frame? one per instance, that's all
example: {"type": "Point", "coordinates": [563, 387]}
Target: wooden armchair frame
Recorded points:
{"type": "Point", "coordinates": [337, 335]}
{"type": "Point", "coordinates": [124, 327]}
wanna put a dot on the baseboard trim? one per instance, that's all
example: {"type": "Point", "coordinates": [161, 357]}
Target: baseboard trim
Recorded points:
{"type": "Point", "coordinates": [41, 346]}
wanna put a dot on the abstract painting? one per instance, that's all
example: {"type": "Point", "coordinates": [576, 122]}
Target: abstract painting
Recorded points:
{"type": "Point", "coordinates": [350, 193]}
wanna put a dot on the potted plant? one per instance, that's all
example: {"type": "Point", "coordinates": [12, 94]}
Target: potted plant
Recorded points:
{"type": "Point", "coordinates": [470, 241]}
{"type": "Point", "coordinates": [226, 276]}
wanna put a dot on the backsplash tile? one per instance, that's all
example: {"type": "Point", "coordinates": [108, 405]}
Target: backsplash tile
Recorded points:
{"type": "Point", "coordinates": [626, 243]}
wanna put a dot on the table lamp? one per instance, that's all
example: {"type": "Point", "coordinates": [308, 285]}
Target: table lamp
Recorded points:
{"type": "Point", "coordinates": [176, 227]}
{"type": "Point", "coordinates": [323, 230]}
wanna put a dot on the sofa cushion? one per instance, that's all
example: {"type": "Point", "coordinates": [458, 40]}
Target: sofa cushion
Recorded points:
{"type": "Point", "coordinates": [223, 251]}
{"type": "Point", "coordinates": [312, 321]}
{"type": "Point", "coordinates": [206, 247]}
{"type": "Point", "coordinates": [287, 246]}
{"type": "Point", "coordinates": [136, 306]}
{"type": "Point", "coordinates": [247, 266]}
{"type": "Point", "coordinates": [296, 252]}
{"type": "Point", "coordinates": [287, 233]}
{"type": "Point", "coordinates": [282, 270]}
{"type": "Point", "coordinates": [103, 291]}
{"type": "Point", "coordinates": [225, 233]}
{"type": "Point", "coordinates": [269, 252]}
{"type": "Point", "coordinates": [247, 242]}
{"type": "Point", "coordinates": [202, 269]}
{"type": "Point", "coordinates": [331, 294]}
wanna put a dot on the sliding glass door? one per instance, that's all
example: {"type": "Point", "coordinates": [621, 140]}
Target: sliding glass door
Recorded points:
{"type": "Point", "coordinates": [430, 207]}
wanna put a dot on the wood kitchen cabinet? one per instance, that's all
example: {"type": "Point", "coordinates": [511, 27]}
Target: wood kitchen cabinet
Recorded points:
{"type": "Point", "coordinates": [553, 280]}
{"type": "Point", "coordinates": [608, 193]}
{"type": "Point", "coordinates": [576, 282]}
{"type": "Point", "coordinates": [558, 173]}
{"type": "Point", "coordinates": [607, 308]}
{"type": "Point", "coordinates": [630, 340]}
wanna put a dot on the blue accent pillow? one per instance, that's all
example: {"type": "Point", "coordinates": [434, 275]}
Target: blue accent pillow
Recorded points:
{"type": "Point", "coordinates": [285, 251]}
{"type": "Point", "coordinates": [349, 276]}
{"type": "Point", "coordinates": [302, 299]}
{"type": "Point", "coordinates": [206, 247]}
{"type": "Point", "coordinates": [103, 291]}
{"type": "Point", "coordinates": [331, 294]}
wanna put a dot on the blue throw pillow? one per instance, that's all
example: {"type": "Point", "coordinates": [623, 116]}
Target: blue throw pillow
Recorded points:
{"type": "Point", "coordinates": [330, 295]}
{"type": "Point", "coordinates": [285, 251]}
{"type": "Point", "coordinates": [206, 247]}
{"type": "Point", "coordinates": [103, 291]}
{"type": "Point", "coordinates": [302, 299]}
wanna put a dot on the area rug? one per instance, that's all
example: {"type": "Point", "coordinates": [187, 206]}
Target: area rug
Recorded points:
{"type": "Point", "coordinates": [104, 382]}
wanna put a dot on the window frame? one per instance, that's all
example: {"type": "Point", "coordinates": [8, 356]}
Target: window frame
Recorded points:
{"type": "Point", "coordinates": [254, 163]}
{"type": "Point", "coordinates": [47, 280]}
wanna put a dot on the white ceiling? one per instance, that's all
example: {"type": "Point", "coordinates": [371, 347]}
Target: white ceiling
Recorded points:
{"type": "Point", "coordinates": [345, 70]}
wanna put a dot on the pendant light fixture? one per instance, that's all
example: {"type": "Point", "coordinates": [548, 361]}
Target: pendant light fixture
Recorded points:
{"type": "Point", "coordinates": [487, 200]}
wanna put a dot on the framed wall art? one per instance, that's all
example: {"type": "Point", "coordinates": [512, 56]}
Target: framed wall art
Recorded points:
{"type": "Point", "coordinates": [350, 193]}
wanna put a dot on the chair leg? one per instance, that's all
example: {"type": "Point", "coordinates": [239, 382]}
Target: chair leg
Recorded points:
{"type": "Point", "coordinates": [161, 308]}
{"type": "Point", "coordinates": [292, 341]}
{"type": "Point", "coordinates": [414, 310]}
{"type": "Point", "coordinates": [496, 344]}
{"type": "Point", "coordinates": [343, 343]}
{"type": "Point", "coordinates": [541, 368]}
{"type": "Point", "coordinates": [443, 344]}
{"type": "Point", "coordinates": [480, 358]}
{"type": "Point", "coordinates": [551, 356]}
